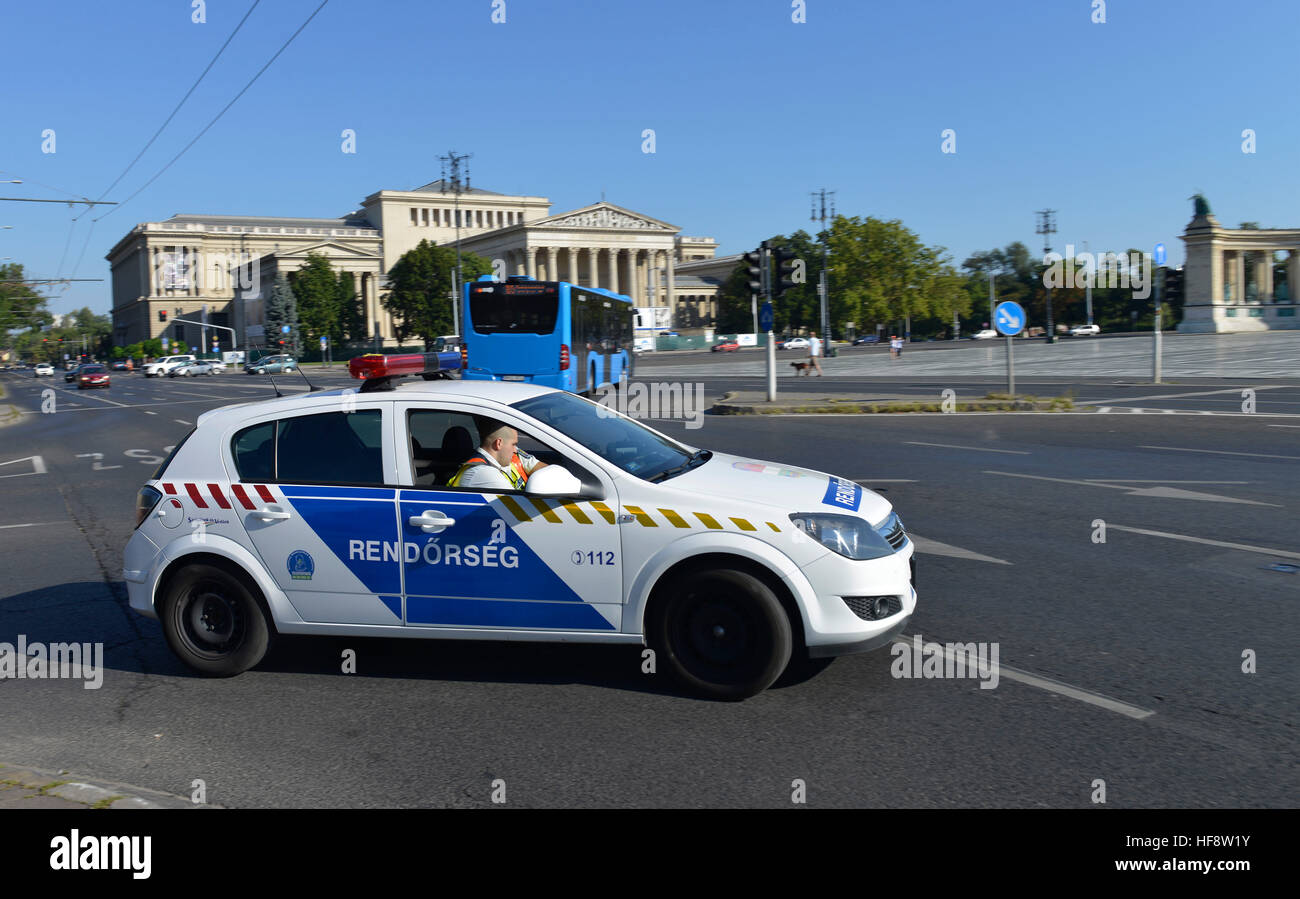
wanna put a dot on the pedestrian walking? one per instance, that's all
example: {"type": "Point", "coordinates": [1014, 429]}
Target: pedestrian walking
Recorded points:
{"type": "Point", "coordinates": [815, 354]}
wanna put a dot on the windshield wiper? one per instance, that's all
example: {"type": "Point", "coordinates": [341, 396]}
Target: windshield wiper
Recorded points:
{"type": "Point", "coordinates": [697, 458]}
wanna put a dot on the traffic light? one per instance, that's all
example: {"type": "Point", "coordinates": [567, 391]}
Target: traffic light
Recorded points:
{"type": "Point", "coordinates": [754, 267]}
{"type": "Point", "coordinates": [162, 315]}
{"type": "Point", "coordinates": [789, 271]}
{"type": "Point", "coordinates": [1174, 286]}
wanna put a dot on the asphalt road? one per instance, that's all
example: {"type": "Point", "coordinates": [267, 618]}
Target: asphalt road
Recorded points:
{"type": "Point", "coordinates": [1120, 660]}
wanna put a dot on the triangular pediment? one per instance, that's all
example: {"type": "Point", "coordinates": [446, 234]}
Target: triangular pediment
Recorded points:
{"type": "Point", "coordinates": [604, 215]}
{"type": "Point", "coordinates": [330, 248]}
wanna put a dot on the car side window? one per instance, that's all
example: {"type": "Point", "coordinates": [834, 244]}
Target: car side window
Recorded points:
{"type": "Point", "coordinates": [254, 452]}
{"type": "Point", "coordinates": [333, 447]}
{"type": "Point", "coordinates": [439, 442]}
{"type": "Point", "coordinates": [328, 448]}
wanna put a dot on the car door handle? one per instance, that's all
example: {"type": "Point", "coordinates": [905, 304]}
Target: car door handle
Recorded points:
{"type": "Point", "coordinates": [271, 513]}
{"type": "Point", "coordinates": [430, 520]}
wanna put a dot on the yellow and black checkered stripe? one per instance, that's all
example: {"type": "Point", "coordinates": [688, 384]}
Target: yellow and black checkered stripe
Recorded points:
{"type": "Point", "coordinates": [536, 508]}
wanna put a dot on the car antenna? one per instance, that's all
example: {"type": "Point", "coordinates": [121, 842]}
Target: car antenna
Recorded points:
{"type": "Point", "coordinates": [310, 385]}
{"type": "Point", "coordinates": [273, 387]}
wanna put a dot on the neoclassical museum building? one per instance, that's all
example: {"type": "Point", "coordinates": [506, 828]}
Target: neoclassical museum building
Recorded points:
{"type": "Point", "coordinates": [229, 263]}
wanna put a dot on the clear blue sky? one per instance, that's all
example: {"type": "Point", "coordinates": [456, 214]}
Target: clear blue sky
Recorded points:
{"type": "Point", "coordinates": [1115, 125]}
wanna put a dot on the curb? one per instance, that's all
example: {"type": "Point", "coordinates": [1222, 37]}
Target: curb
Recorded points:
{"type": "Point", "coordinates": [724, 406]}
{"type": "Point", "coordinates": [22, 786]}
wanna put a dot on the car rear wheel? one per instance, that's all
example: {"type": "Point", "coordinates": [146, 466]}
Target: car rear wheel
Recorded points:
{"type": "Point", "coordinates": [213, 622]}
{"type": "Point", "coordinates": [723, 634]}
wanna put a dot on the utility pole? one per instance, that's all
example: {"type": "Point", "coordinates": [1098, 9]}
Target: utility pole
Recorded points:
{"type": "Point", "coordinates": [820, 203]}
{"type": "Point", "coordinates": [1088, 289]}
{"type": "Point", "coordinates": [990, 324]}
{"type": "Point", "coordinates": [453, 162]}
{"type": "Point", "coordinates": [1047, 227]}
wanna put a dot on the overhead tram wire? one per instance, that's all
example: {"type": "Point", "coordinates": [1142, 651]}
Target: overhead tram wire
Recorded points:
{"type": "Point", "coordinates": [206, 127]}
{"type": "Point", "coordinates": [218, 116]}
{"type": "Point", "coordinates": [177, 109]}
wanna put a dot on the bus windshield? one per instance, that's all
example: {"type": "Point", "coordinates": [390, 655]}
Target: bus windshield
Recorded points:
{"type": "Point", "coordinates": [513, 308]}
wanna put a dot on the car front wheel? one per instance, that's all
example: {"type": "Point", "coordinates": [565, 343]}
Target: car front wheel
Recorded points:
{"type": "Point", "coordinates": [723, 634]}
{"type": "Point", "coordinates": [213, 622]}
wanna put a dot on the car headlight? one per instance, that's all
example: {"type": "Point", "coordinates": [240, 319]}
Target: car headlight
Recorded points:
{"type": "Point", "coordinates": [847, 535]}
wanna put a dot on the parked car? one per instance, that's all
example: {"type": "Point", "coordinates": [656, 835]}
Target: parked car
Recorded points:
{"type": "Point", "coordinates": [161, 366]}
{"type": "Point", "coordinates": [93, 375]}
{"type": "Point", "coordinates": [43, 369]}
{"type": "Point", "coordinates": [191, 369]}
{"type": "Point", "coordinates": [1085, 330]}
{"type": "Point", "coordinates": [986, 334]}
{"type": "Point", "coordinates": [796, 343]}
{"type": "Point", "coordinates": [727, 346]}
{"type": "Point", "coordinates": [866, 338]}
{"type": "Point", "coordinates": [271, 365]}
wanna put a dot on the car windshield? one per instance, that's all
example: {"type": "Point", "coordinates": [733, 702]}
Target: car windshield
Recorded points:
{"type": "Point", "coordinates": [92, 369]}
{"type": "Point", "coordinates": [620, 441]}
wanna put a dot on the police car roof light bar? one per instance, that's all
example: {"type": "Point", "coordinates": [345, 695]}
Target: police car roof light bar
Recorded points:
{"type": "Point", "coordinates": [377, 371]}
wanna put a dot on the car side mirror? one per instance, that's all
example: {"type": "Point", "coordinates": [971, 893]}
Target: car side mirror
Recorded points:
{"type": "Point", "coordinates": [553, 480]}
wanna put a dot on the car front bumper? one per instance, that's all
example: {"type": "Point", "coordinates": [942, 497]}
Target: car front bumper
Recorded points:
{"type": "Point", "coordinates": [833, 627]}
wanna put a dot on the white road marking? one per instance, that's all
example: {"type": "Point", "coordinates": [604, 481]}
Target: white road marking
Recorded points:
{"type": "Point", "coordinates": [1284, 426]}
{"type": "Point", "coordinates": [1160, 492]}
{"type": "Point", "coordinates": [147, 412]}
{"type": "Point", "coordinates": [1179, 396]}
{"type": "Point", "coordinates": [98, 464]}
{"type": "Point", "coordinates": [38, 466]}
{"type": "Point", "coordinates": [33, 524]}
{"type": "Point", "coordinates": [1181, 449]}
{"type": "Point", "coordinates": [935, 548]}
{"type": "Point", "coordinates": [1157, 481]}
{"type": "Point", "coordinates": [1262, 550]}
{"type": "Point", "coordinates": [1052, 686]}
{"type": "Point", "coordinates": [982, 449]}
{"type": "Point", "coordinates": [181, 421]}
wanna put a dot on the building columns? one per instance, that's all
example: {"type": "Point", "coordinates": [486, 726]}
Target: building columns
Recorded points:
{"type": "Point", "coordinates": [1264, 278]}
{"type": "Point", "coordinates": [1292, 274]}
{"type": "Point", "coordinates": [670, 284]}
{"type": "Point", "coordinates": [1239, 277]}
{"type": "Point", "coordinates": [552, 256]}
{"type": "Point", "coordinates": [612, 255]}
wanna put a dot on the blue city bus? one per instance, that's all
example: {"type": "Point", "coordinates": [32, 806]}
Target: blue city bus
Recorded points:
{"type": "Point", "coordinates": [551, 333]}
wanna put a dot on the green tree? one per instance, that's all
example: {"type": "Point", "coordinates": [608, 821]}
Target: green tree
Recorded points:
{"type": "Point", "coordinates": [21, 307]}
{"type": "Point", "coordinates": [352, 316]}
{"type": "Point", "coordinates": [420, 284]}
{"type": "Point", "coordinates": [316, 289]}
{"type": "Point", "coordinates": [882, 272]}
{"type": "Point", "coordinates": [281, 310]}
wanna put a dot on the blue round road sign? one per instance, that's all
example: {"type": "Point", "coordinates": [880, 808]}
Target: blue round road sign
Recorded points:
{"type": "Point", "coordinates": [1160, 254]}
{"type": "Point", "coordinates": [765, 317]}
{"type": "Point", "coordinates": [1009, 318]}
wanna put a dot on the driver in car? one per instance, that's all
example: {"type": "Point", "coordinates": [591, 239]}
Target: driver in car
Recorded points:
{"type": "Point", "coordinates": [499, 464]}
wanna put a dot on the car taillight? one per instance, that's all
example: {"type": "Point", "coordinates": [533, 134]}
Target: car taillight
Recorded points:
{"type": "Point", "coordinates": [145, 501]}
{"type": "Point", "coordinates": [564, 357]}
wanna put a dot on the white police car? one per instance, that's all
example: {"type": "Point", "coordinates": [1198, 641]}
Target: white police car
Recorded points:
{"type": "Point", "coordinates": [328, 513]}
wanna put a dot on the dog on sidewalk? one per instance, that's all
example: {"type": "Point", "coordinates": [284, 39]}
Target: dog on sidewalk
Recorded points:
{"type": "Point", "coordinates": [800, 368]}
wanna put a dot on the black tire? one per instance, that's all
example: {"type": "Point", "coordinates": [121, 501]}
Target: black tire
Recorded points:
{"type": "Point", "coordinates": [723, 634]}
{"type": "Point", "coordinates": [213, 622]}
